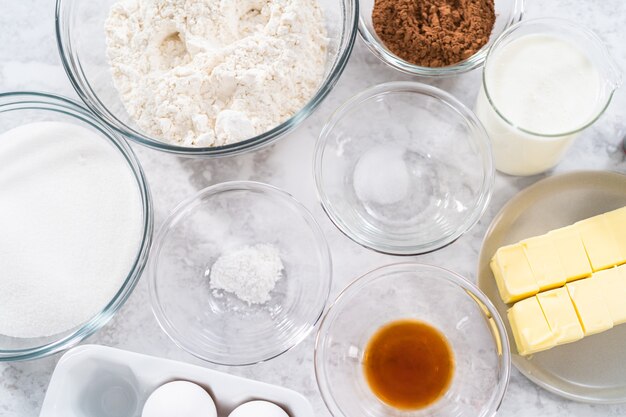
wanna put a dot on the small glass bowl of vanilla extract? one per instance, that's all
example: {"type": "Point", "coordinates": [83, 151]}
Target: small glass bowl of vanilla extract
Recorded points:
{"type": "Point", "coordinates": [412, 340]}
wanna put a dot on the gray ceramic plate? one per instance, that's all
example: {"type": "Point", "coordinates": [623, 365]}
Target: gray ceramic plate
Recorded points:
{"type": "Point", "coordinates": [591, 370]}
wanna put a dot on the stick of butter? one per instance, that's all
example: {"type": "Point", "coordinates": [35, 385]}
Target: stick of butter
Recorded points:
{"type": "Point", "coordinates": [561, 256]}
{"type": "Point", "coordinates": [579, 309]}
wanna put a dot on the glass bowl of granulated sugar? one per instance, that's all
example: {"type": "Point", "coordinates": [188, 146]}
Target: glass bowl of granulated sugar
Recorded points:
{"type": "Point", "coordinates": [75, 224]}
{"type": "Point", "coordinates": [239, 273]}
{"type": "Point", "coordinates": [205, 78]}
{"type": "Point", "coordinates": [435, 37]}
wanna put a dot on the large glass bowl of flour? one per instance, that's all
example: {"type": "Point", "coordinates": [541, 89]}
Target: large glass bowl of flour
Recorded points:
{"type": "Point", "coordinates": [84, 35]}
{"type": "Point", "coordinates": [75, 220]}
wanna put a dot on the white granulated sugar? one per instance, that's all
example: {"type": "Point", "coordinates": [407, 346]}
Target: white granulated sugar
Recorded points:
{"type": "Point", "coordinates": [214, 72]}
{"type": "Point", "coordinates": [250, 272]}
{"type": "Point", "coordinates": [70, 227]}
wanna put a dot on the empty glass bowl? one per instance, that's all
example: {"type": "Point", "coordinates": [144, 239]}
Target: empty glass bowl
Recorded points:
{"type": "Point", "coordinates": [215, 325]}
{"type": "Point", "coordinates": [429, 294]}
{"type": "Point", "coordinates": [17, 109]}
{"type": "Point", "coordinates": [404, 168]}
{"type": "Point", "coordinates": [80, 28]}
{"type": "Point", "coordinates": [508, 12]}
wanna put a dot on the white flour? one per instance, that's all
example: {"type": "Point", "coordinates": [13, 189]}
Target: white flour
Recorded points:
{"type": "Point", "coordinates": [214, 72]}
{"type": "Point", "coordinates": [250, 272]}
{"type": "Point", "coordinates": [70, 227]}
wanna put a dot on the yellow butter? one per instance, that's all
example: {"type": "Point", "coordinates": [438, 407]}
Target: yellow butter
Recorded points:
{"type": "Point", "coordinates": [561, 316]}
{"type": "Point", "coordinates": [600, 244]}
{"type": "Point", "coordinates": [543, 256]}
{"type": "Point", "coordinates": [616, 220]}
{"type": "Point", "coordinates": [613, 286]}
{"type": "Point", "coordinates": [590, 305]}
{"type": "Point", "coordinates": [513, 275]}
{"type": "Point", "coordinates": [529, 326]}
{"type": "Point", "coordinates": [571, 250]}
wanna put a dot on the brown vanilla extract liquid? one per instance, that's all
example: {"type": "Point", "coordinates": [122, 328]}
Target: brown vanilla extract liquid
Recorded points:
{"type": "Point", "coordinates": [408, 364]}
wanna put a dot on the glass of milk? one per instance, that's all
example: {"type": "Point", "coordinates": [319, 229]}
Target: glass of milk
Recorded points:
{"type": "Point", "coordinates": [544, 81]}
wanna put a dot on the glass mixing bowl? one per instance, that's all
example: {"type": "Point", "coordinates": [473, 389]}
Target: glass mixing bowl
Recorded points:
{"type": "Point", "coordinates": [81, 42]}
{"type": "Point", "coordinates": [217, 326]}
{"type": "Point", "coordinates": [404, 168]}
{"type": "Point", "coordinates": [508, 12]}
{"type": "Point", "coordinates": [17, 109]}
{"type": "Point", "coordinates": [429, 294]}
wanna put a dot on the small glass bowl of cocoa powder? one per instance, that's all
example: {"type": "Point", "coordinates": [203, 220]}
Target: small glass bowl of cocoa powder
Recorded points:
{"type": "Point", "coordinates": [435, 37]}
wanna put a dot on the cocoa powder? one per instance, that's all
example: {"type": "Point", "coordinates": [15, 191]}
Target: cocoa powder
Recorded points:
{"type": "Point", "coordinates": [434, 33]}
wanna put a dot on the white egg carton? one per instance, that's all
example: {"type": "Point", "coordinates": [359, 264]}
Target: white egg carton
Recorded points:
{"type": "Point", "coordinates": [98, 381]}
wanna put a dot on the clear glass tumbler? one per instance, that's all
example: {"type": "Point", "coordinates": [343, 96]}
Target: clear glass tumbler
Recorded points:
{"type": "Point", "coordinates": [520, 150]}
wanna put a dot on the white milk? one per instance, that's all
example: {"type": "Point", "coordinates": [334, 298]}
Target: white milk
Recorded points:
{"type": "Point", "coordinates": [542, 84]}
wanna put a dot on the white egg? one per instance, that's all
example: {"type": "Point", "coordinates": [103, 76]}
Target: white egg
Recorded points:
{"type": "Point", "coordinates": [179, 399]}
{"type": "Point", "coordinates": [258, 409]}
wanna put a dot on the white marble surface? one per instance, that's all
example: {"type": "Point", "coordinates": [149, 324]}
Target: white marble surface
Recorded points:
{"type": "Point", "coordinates": [29, 61]}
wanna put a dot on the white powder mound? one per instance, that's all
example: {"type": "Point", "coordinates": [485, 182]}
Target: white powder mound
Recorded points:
{"type": "Point", "coordinates": [381, 175]}
{"type": "Point", "coordinates": [250, 272]}
{"type": "Point", "coordinates": [70, 227]}
{"type": "Point", "coordinates": [214, 72]}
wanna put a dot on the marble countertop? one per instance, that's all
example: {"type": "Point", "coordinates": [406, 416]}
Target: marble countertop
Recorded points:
{"type": "Point", "coordinates": [29, 61]}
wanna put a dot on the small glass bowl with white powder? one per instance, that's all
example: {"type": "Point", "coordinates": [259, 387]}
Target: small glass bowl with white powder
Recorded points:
{"type": "Point", "coordinates": [239, 273]}
{"type": "Point", "coordinates": [75, 221]}
{"type": "Point", "coordinates": [404, 168]}
{"type": "Point", "coordinates": [205, 78]}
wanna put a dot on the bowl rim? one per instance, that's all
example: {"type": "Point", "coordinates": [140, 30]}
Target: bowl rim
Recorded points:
{"type": "Point", "coordinates": [41, 101]}
{"type": "Point", "coordinates": [475, 61]}
{"type": "Point", "coordinates": [362, 281]}
{"type": "Point", "coordinates": [82, 86]}
{"type": "Point", "coordinates": [249, 186]}
{"type": "Point", "coordinates": [470, 119]}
